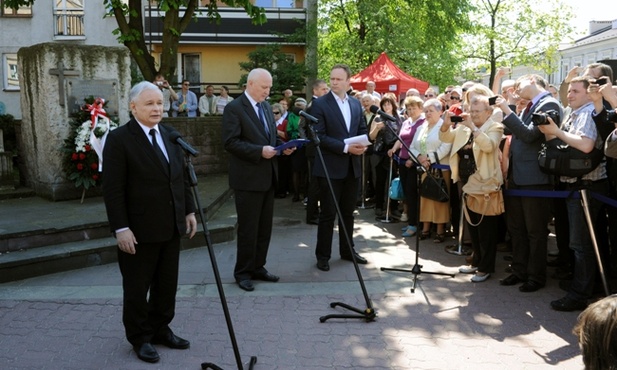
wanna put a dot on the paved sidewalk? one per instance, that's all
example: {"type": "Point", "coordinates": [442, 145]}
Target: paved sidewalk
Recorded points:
{"type": "Point", "coordinates": [72, 320]}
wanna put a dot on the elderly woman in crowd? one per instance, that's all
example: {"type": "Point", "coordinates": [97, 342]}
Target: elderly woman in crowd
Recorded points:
{"type": "Point", "coordinates": [407, 167]}
{"type": "Point", "coordinates": [427, 147]}
{"type": "Point", "coordinates": [475, 148]}
{"type": "Point", "coordinates": [384, 140]}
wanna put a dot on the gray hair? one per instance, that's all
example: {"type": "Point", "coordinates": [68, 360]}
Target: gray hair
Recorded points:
{"type": "Point", "coordinates": [435, 103]}
{"type": "Point", "coordinates": [141, 87]}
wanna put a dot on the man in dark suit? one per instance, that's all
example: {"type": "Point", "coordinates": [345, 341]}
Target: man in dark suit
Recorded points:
{"type": "Point", "coordinates": [249, 135]}
{"type": "Point", "coordinates": [150, 206]}
{"type": "Point", "coordinates": [527, 218]}
{"type": "Point", "coordinates": [340, 117]}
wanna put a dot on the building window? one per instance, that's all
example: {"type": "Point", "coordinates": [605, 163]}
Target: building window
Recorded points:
{"type": "Point", "coordinates": [276, 3]}
{"type": "Point", "coordinates": [22, 11]}
{"type": "Point", "coordinates": [9, 68]}
{"type": "Point", "coordinates": [69, 18]}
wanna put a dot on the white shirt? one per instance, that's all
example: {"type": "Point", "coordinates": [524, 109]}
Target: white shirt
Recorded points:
{"type": "Point", "coordinates": [159, 138]}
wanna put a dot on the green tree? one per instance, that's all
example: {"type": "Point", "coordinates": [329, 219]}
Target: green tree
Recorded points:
{"type": "Point", "coordinates": [419, 36]}
{"type": "Point", "coordinates": [286, 74]}
{"type": "Point", "coordinates": [516, 33]}
{"type": "Point", "coordinates": [177, 16]}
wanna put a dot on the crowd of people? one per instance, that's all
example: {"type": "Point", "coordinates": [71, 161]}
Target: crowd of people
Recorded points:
{"type": "Point", "coordinates": [492, 133]}
{"type": "Point", "coordinates": [465, 135]}
{"type": "Point", "coordinates": [185, 103]}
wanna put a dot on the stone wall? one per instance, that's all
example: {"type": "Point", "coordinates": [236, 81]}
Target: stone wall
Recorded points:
{"type": "Point", "coordinates": [204, 134]}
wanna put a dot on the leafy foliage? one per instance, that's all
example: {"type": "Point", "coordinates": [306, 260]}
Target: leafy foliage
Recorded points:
{"type": "Point", "coordinates": [418, 35]}
{"type": "Point", "coordinates": [286, 74]}
{"type": "Point", "coordinates": [516, 33]}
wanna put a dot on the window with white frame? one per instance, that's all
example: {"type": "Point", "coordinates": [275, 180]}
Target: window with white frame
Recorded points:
{"type": "Point", "coordinates": [9, 69]}
{"type": "Point", "coordinates": [69, 18]}
{"type": "Point", "coordinates": [276, 3]}
{"type": "Point", "coordinates": [21, 11]}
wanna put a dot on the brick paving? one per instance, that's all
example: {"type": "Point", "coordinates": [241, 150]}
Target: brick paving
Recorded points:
{"type": "Point", "coordinates": [72, 320]}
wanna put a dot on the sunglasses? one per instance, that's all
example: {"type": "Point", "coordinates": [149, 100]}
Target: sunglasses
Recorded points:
{"type": "Point", "coordinates": [455, 98]}
{"type": "Point", "coordinates": [429, 96]}
{"type": "Point", "coordinates": [447, 91]}
{"type": "Point", "coordinates": [276, 112]}
{"type": "Point", "coordinates": [186, 84]}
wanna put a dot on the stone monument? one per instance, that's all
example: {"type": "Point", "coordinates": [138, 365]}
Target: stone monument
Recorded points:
{"type": "Point", "coordinates": [55, 78]}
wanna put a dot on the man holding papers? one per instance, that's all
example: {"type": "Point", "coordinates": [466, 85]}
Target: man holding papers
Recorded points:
{"type": "Point", "coordinates": [249, 135]}
{"type": "Point", "coordinates": [339, 118]}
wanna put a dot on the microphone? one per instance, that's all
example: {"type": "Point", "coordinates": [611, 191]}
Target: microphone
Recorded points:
{"type": "Point", "coordinates": [177, 138]}
{"type": "Point", "coordinates": [299, 112]}
{"type": "Point", "coordinates": [375, 110]}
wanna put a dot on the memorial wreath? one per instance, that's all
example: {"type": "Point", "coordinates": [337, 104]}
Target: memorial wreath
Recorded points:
{"type": "Point", "coordinates": [83, 148]}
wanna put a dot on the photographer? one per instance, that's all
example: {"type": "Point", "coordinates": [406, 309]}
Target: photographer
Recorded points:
{"type": "Point", "coordinates": [527, 217]}
{"type": "Point", "coordinates": [169, 94]}
{"type": "Point", "coordinates": [579, 131]}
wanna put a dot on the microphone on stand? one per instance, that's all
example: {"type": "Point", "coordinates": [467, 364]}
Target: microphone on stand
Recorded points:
{"type": "Point", "coordinates": [299, 112]}
{"type": "Point", "coordinates": [177, 138]}
{"type": "Point", "coordinates": [375, 110]}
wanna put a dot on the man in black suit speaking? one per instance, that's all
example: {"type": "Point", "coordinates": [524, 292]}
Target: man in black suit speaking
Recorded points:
{"type": "Point", "coordinates": [340, 117]}
{"type": "Point", "coordinates": [249, 135]}
{"type": "Point", "coordinates": [150, 206]}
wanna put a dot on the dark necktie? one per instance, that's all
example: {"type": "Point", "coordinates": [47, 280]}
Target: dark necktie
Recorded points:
{"type": "Point", "coordinates": [158, 151]}
{"type": "Point", "coordinates": [529, 105]}
{"type": "Point", "coordinates": [262, 118]}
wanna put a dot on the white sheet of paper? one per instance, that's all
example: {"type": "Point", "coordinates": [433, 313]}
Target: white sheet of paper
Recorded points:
{"type": "Point", "coordinates": [360, 139]}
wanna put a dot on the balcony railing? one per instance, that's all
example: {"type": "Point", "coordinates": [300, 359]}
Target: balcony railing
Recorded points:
{"type": "Point", "coordinates": [69, 25]}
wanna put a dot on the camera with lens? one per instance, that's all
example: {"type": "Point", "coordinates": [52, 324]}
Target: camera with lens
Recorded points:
{"type": "Point", "coordinates": [541, 117]}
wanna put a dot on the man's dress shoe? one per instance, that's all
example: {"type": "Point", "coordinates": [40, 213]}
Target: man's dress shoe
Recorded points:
{"type": "Point", "coordinates": [361, 260]}
{"type": "Point", "coordinates": [171, 340]}
{"type": "Point", "coordinates": [510, 280]}
{"type": "Point", "coordinates": [567, 304]}
{"type": "Point", "coordinates": [266, 276]}
{"type": "Point", "coordinates": [146, 352]}
{"type": "Point", "coordinates": [530, 286]}
{"type": "Point", "coordinates": [246, 285]}
{"type": "Point", "coordinates": [323, 265]}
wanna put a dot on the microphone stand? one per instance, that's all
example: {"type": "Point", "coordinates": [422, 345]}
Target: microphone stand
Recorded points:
{"type": "Point", "coordinates": [217, 276]}
{"type": "Point", "coordinates": [417, 268]}
{"type": "Point", "coordinates": [368, 314]}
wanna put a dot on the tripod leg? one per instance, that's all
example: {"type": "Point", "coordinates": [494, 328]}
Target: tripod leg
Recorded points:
{"type": "Point", "coordinates": [585, 203]}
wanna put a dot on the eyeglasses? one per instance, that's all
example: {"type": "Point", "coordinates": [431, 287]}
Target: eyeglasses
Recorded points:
{"type": "Point", "coordinates": [429, 96]}
{"type": "Point", "coordinates": [276, 112]}
{"type": "Point", "coordinates": [455, 98]}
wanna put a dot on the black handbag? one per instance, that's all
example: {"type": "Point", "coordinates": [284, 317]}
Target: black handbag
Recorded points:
{"type": "Point", "coordinates": [435, 190]}
{"type": "Point", "coordinates": [558, 158]}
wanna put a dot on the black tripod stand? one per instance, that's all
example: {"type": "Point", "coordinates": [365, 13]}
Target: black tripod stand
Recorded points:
{"type": "Point", "coordinates": [417, 268]}
{"type": "Point", "coordinates": [368, 314]}
{"type": "Point", "coordinates": [217, 276]}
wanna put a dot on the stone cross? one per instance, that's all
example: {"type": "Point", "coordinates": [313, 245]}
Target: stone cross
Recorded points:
{"type": "Point", "coordinates": [61, 73]}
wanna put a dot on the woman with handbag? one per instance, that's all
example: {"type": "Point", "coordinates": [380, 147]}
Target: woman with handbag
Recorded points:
{"type": "Point", "coordinates": [384, 139]}
{"type": "Point", "coordinates": [476, 142]}
{"type": "Point", "coordinates": [427, 147]}
{"type": "Point", "coordinates": [407, 167]}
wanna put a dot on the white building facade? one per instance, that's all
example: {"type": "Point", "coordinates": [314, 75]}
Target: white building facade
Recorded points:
{"type": "Point", "coordinates": [65, 21]}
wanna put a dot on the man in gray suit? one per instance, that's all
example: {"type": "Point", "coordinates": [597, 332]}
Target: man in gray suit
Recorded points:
{"type": "Point", "coordinates": [527, 218]}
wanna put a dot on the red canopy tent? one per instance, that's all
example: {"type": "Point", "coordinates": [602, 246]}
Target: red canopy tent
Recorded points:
{"type": "Point", "coordinates": [388, 77]}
